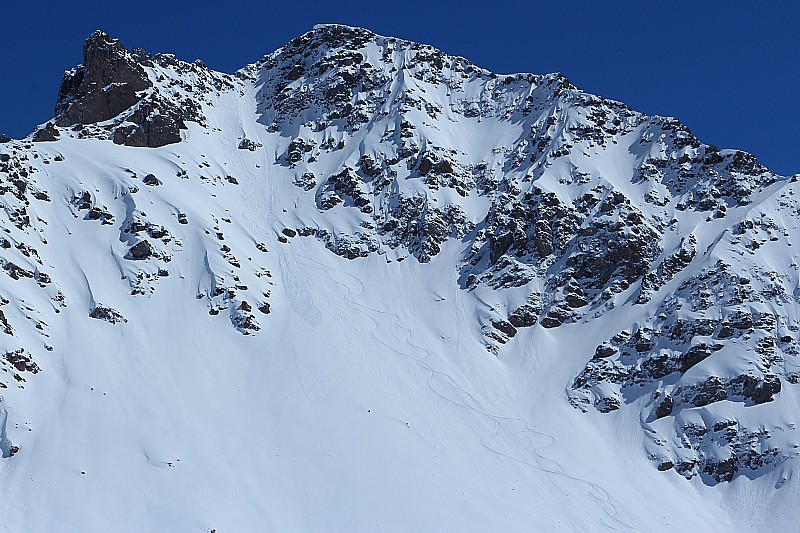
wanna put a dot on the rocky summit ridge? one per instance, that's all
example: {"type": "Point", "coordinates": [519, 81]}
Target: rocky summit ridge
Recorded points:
{"type": "Point", "coordinates": [664, 264]}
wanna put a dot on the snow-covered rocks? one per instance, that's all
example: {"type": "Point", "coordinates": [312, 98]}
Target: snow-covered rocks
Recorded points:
{"type": "Point", "coordinates": [384, 218]}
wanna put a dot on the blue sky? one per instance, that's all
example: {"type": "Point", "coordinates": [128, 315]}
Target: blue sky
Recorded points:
{"type": "Point", "coordinates": [729, 70]}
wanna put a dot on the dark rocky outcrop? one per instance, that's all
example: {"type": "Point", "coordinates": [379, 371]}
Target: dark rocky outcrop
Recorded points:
{"type": "Point", "coordinates": [101, 312]}
{"type": "Point", "coordinates": [152, 125]}
{"type": "Point", "coordinates": [141, 250]}
{"type": "Point", "coordinates": [113, 92]}
{"type": "Point", "coordinates": [247, 144]}
{"type": "Point", "coordinates": [108, 83]}
{"type": "Point", "coordinates": [528, 313]}
{"type": "Point", "coordinates": [665, 407]}
{"type": "Point", "coordinates": [47, 133]}
{"type": "Point", "coordinates": [21, 361]}
{"type": "Point", "coordinates": [151, 180]}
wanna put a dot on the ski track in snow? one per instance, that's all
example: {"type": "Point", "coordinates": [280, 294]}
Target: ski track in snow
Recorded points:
{"type": "Point", "coordinates": [261, 206]}
{"type": "Point", "coordinates": [554, 473]}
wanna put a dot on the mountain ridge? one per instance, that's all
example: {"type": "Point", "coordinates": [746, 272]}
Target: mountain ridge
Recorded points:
{"type": "Point", "coordinates": [549, 223]}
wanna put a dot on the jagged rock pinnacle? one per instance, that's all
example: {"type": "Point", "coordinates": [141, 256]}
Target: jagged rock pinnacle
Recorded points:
{"type": "Point", "coordinates": [103, 87]}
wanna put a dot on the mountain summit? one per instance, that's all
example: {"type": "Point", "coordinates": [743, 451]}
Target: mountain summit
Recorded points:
{"type": "Point", "coordinates": [362, 284]}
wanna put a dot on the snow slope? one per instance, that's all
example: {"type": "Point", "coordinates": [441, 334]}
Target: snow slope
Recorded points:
{"type": "Point", "coordinates": [384, 289]}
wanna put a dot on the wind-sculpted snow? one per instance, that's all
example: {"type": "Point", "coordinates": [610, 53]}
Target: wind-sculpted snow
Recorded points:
{"type": "Point", "coordinates": [363, 284]}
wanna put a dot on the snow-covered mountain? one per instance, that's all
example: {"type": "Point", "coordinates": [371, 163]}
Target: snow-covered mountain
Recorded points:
{"type": "Point", "coordinates": [364, 285]}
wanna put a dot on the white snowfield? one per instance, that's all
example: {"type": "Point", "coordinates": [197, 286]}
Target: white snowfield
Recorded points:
{"type": "Point", "coordinates": [241, 373]}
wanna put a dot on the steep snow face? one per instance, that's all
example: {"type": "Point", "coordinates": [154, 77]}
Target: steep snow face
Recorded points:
{"type": "Point", "coordinates": [362, 284]}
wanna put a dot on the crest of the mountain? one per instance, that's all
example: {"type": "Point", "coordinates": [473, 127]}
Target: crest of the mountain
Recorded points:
{"type": "Point", "coordinates": [565, 210]}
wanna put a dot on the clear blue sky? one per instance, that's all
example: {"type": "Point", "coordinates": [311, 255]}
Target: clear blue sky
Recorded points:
{"type": "Point", "coordinates": [729, 70]}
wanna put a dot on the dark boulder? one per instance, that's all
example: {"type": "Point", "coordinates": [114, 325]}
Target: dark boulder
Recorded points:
{"type": "Point", "coordinates": [505, 327]}
{"type": "Point", "coordinates": [153, 126]}
{"type": "Point", "coordinates": [665, 407]}
{"type": "Point", "coordinates": [101, 312]}
{"type": "Point", "coordinates": [46, 134]}
{"type": "Point", "coordinates": [151, 180]}
{"type": "Point", "coordinates": [141, 250]}
{"type": "Point", "coordinates": [604, 351]}
{"type": "Point", "coordinates": [576, 300]}
{"type": "Point", "coordinates": [555, 317]}
{"type": "Point", "coordinates": [247, 144]}
{"type": "Point", "coordinates": [666, 465]}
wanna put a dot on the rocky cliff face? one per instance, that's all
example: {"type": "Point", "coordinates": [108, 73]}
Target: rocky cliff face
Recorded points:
{"type": "Point", "coordinates": [133, 98]}
{"type": "Point", "coordinates": [567, 210]}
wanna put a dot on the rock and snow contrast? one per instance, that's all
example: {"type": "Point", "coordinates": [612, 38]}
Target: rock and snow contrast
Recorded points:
{"type": "Point", "coordinates": [363, 285]}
